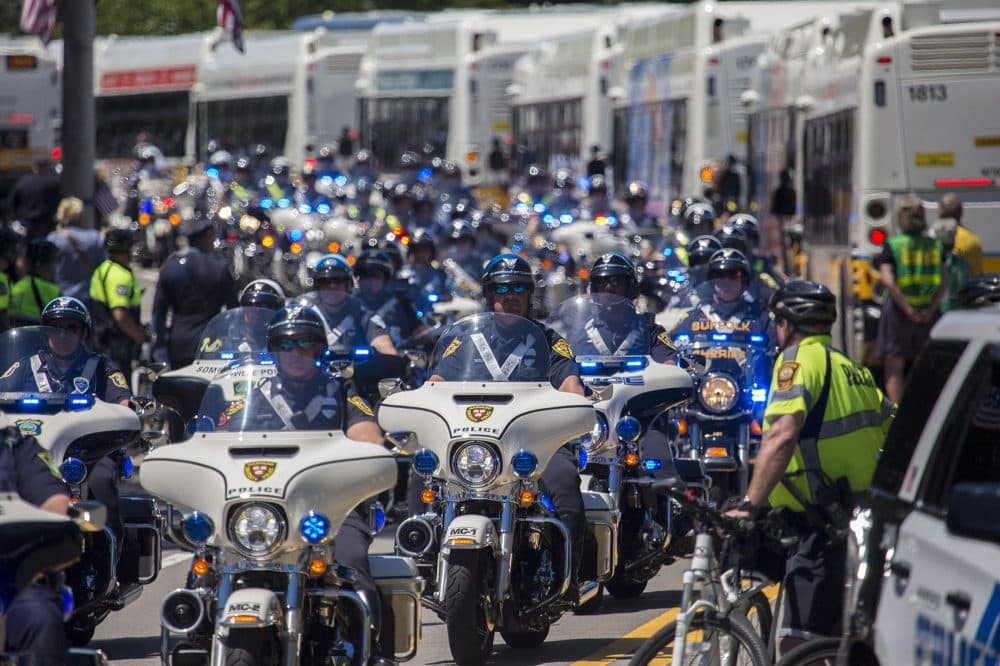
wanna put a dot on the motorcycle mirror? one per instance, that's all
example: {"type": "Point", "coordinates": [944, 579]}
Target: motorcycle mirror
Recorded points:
{"type": "Point", "coordinates": [416, 357]}
{"type": "Point", "coordinates": [401, 440]}
{"type": "Point", "coordinates": [342, 369]}
{"type": "Point", "coordinates": [89, 515]}
{"type": "Point", "coordinates": [389, 385]}
{"type": "Point", "coordinates": [602, 393]}
{"type": "Point", "coordinates": [153, 370]}
{"type": "Point", "coordinates": [698, 363]}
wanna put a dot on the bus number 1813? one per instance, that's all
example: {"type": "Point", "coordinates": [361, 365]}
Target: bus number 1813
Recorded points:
{"type": "Point", "coordinates": [928, 93]}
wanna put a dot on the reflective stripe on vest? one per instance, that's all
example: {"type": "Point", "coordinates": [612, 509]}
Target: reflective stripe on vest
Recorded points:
{"type": "Point", "coordinates": [498, 372]}
{"type": "Point", "coordinates": [41, 375]}
{"type": "Point", "coordinates": [918, 267]}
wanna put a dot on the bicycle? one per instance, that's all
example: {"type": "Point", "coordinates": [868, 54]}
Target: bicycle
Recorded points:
{"type": "Point", "coordinates": [817, 652]}
{"type": "Point", "coordinates": [713, 625]}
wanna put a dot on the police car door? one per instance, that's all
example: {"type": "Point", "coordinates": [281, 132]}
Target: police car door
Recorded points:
{"type": "Point", "coordinates": [941, 602]}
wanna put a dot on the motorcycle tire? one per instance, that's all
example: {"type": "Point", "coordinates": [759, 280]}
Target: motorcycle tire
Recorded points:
{"type": "Point", "coordinates": [79, 635]}
{"type": "Point", "coordinates": [622, 587]}
{"type": "Point", "coordinates": [817, 652]}
{"type": "Point", "coordinates": [593, 605]}
{"type": "Point", "coordinates": [470, 640]}
{"type": "Point", "coordinates": [240, 657]}
{"type": "Point", "coordinates": [527, 639]}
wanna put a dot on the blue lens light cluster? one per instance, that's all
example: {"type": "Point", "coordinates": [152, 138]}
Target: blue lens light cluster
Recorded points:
{"type": "Point", "coordinates": [31, 403]}
{"type": "Point", "coordinates": [284, 202]}
{"type": "Point", "coordinates": [758, 395]}
{"type": "Point", "coordinates": [314, 527]}
{"type": "Point", "coordinates": [76, 402]}
{"type": "Point", "coordinates": [73, 471]}
{"type": "Point", "coordinates": [547, 502]}
{"type": "Point", "coordinates": [362, 353]}
{"type": "Point", "coordinates": [425, 462]}
{"type": "Point", "coordinates": [433, 298]}
{"type": "Point", "coordinates": [652, 464]}
{"type": "Point", "coordinates": [524, 463]}
{"type": "Point", "coordinates": [305, 208]}
{"type": "Point", "coordinates": [295, 235]}
{"type": "Point", "coordinates": [266, 203]}
{"type": "Point", "coordinates": [637, 363]}
{"type": "Point", "coordinates": [128, 467]}
{"type": "Point", "coordinates": [720, 337]}
{"type": "Point", "coordinates": [198, 528]}
{"type": "Point", "coordinates": [628, 429]}
{"type": "Point", "coordinates": [323, 209]}
{"type": "Point", "coordinates": [582, 457]}
{"type": "Point", "coordinates": [757, 339]}
{"type": "Point", "coordinates": [378, 516]}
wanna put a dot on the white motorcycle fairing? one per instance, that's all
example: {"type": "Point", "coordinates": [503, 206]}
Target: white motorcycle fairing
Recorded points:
{"type": "Point", "coordinates": [65, 431]}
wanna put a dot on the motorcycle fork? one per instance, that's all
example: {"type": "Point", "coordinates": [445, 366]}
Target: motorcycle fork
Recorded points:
{"type": "Point", "coordinates": [743, 455]}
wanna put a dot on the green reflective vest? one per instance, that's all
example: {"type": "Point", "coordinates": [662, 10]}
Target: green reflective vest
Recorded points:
{"type": "Point", "coordinates": [918, 267]}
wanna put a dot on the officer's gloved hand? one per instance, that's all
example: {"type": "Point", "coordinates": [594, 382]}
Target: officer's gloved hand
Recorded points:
{"type": "Point", "coordinates": [160, 354]}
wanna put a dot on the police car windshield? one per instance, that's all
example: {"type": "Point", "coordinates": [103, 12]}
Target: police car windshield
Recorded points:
{"type": "Point", "coordinates": [250, 397]}
{"type": "Point", "coordinates": [601, 324]}
{"type": "Point", "coordinates": [492, 347]}
{"type": "Point", "coordinates": [234, 332]}
{"type": "Point", "coordinates": [28, 365]}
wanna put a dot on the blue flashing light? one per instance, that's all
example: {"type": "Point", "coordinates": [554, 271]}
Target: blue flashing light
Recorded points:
{"type": "Point", "coordinates": [212, 172]}
{"type": "Point", "coordinates": [227, 356]}
{"type": "Point", "coordinates": [340, 180]}
{"type": "Point", "coordinates": [682, 338]}
{"type": "Point", "coordinates": [550, 220]}
{"type": "Point", "coordinates": [547, 502]}
{"type": "Point", "coordinates": [720, 337]}
{"type": "Point", "coordinates": [433, 298]}
{"type": "Point", "coordinates": [652, 464]}
{"type": "Point", "coordinates": [424, 174]}
{"type": "Point", "coordinates": [425, 462]}
{"type": "Point", "coordinates": [612, 220]}
{"type": "Point", "coordinates": [420, 314]}
{"type": "Point", "coordinates": [295, 235]}
{"type": "Point", "coordinates": [31, 402]}
{"type": "Point", "coordinates": [581, 457]}
{"type": "Point", "coordinates": [378, 516]}
{"type": "Point", "coordinates": [628, 429]}
{"type": "Point", "coordinates": [361, 352]}
{"type": "Point", "coordinates": [521, 207]}
{"type": "Point", "coordinates": [326, 180]}
{"type": "Point", "coordinates": [73, 471]}
{"type": "Point", "coordinates": [588, 366]}
{"type": "Point", "coordinates": [680, 277]}
{"type": "Point", "coordinates": [635, 363]}
{"type": "Point", "coordinates": [284, 202]}
{"type": "Point", "coordinates": [323, 209]}
{"type": "Point", "coordinates": [198, 527]}
{"type": "Point", "coordinates": [674, 272]}
{"type": "Point", "coordinates": [524, 463]}
{"type": "Point", "coordinates": [266, 358]}
{"type": "Point", "coordinates": [758, 395]}
{"type": "Point", "coordinates": [128, 467]}
{"type": "Point", "coordinates": [583, 183]}
{"type": "Point", "coordinates": [314, 527]}
{"type": "Point", "coordinates": [667, 251]}
{"type": "Point", "coordinates": [67, 600]}
{"type": "Point", "coordinates": [538, 208]}
{"type": "Point", "coordinates": [563, 257]}
{"type": "Point", "coordinates": [81, 402]}
{"type": "Point", "coordinates": [566, 218]}
{"type": "Point", "coordinates": [305, 208]}
{"type": "Point", "coordinates": [266, 203]}
{"type": "Point", "coordinates": [146, 206]}
{"type": "Point", "coordinates": [757, 339]}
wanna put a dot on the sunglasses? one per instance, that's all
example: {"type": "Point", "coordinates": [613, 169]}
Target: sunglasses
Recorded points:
{"type": "Point", "coordinates": [504, 289]}
{"type": "Point", "coordinates": [74, 329]}
{"type": "Point", "coordinates": [728, 275]}
{"type": "Point", "coordinates": [604, 283]}
{"type": "Point", "coordinates": [330, 282]}
{"type": "Point", "coordinates": [288, 344]}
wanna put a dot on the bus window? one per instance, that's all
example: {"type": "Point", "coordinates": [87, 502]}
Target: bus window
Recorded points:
{"type": "Point", "coordinates": [120, 119]}
{"type": "Point", "coordinates": [828, 156]}
{"type": "Point", "coordinates": [239, 124]}
{"type": "Point", "coordinates": [393, 125]}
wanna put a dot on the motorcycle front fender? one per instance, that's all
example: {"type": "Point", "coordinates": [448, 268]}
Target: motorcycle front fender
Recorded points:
{"type": "Point", "coordinates": [252, 607]}
{"type": "Point", "coordinates": [470, 532]}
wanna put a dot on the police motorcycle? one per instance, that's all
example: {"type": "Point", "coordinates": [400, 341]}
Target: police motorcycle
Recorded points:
{"type": "Point", "coordinates": [623, 452]}
{"type": "Point", "coordinates": [150, 206]}
{"type": "Point", "coordinates": [494, 551]}
{"type": "Point", "coordinates": [39, 545]}
{"type": "Point", "coordinates": [730, 362]}
{"type": "Point", "coordinates": [260, 510]}
{"type": "Point", "coordinates": [229, 337]}
{"type": "Point", "coordinates": [77, 430]}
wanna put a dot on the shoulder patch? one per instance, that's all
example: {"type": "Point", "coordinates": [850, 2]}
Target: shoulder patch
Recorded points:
{"type": "Point", "coordinates": [118, 379]}
{"type": "Point", "coordinates": [665, 339]}
{"type": "Point", "coordinates": [11, 370]}
{"type": "Point", "coordinates": [234, 407]}
{"type": "Point", "coordinates": [786, 375]}
{"type": "Point", "coordinates": [452, 348]}
{"type": "Point", "coordinates": [43, 455]}
{"type": "Point", "coordinates": [121, 290]}
{"type": "Point", "coordinates": [562, 348]}
{"type": "Point", "coordinates": [360, 403]}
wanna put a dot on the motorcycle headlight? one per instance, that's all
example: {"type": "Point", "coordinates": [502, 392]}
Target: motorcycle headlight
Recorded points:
{"type": "Point", "coordinates": [476, 463]}
{"type": "Point", "coordinates": [256, 529]}
{"type": "Point", "coordinates": [718, 393]}
{"type": "Point", "coordinates": [599, 434]}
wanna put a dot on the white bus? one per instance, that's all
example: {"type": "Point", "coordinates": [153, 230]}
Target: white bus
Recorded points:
{"type": "Point", "coordinates": [29, 108]}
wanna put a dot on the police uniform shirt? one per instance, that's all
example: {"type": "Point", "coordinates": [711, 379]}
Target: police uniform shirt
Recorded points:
{"type": "Point", "coordinates": [397, 316]}
{"type": "Point", "coordinates": [28, 298]}
{"type": "Point", "coordinates": [350, 325]}
{"type": "Point", "coordinates": [115, 286]}
{"type": "Point", "coordinates": [25, 468]}
{"type": "Point", "coordinates": [89, 374]}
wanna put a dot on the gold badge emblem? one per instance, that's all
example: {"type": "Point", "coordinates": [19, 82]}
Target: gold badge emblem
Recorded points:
{"type": "Point", "coordinates": [786, 375]}
{"type": "Point", "coordinates": [478, 413]}
{"type": "Point", "coordinates": [452, 348]}
{"type": "Point", "coordinates": [29, 427]}
{"type": "Point", "coordinates": [118, 379]}
{"type": "Point", "coordinates": [259, 470]}
{"type": "Point", "coordinates": [562, 348]}
{"type": "Point", "coordinates": [359, 402]}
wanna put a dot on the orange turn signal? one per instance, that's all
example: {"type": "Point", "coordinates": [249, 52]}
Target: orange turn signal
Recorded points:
{"type": "Point", "coordinates": [267, 241]}
{"type": "Point", "coordinates": [462, 541]}
{"type": "Point", "coordinates": [317, 567]}
{"type": "Point", "coordinates": [296, 248]}
{"type": "Point", "coordinates": [682, 427]}
{"type": "Point", "coordinates": [755, 428]}
{"type": "Point", "coordinates": [333, 247]}
{"type": "Point", "coordinates": [527, 498]}
{"type": "Point", "coordinates": [175, 219]}
{"type": "Point", "coordinates": [706, 174]}
{"type": "Point", "coordinates": [426, 495]}
{"type": "Point", "coordinates": [243, 619]}
{"type": "Point", "coordinates": [199, 566]}
{"type": "Point", "coordinates": [144, 219]}
{"type": "Point", "coordinates": [717, 452]}
{"type": "Point", "coordinates": [631, 459]}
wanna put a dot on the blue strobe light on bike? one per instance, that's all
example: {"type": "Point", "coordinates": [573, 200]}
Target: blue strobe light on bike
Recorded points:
{"type": "Point", "coordinates": [198, 528]}
{"type": "Point", "coordinates": [425, 462]}
{"type": "Point", "coordinates": [524, 463]}
{"type": "Point", "coordinates": [314, 527]}
{"type": "Point", "coordinates": [628, 429]}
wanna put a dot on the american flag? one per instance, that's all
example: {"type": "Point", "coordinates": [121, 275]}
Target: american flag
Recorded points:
{"type": "Point", "coordinates": [38, 17]}
{"type": "Point", "coordinates": [231, 20]}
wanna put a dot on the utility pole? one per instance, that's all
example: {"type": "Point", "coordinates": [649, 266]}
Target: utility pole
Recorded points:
{"type": "Point", "coordinates": [79, 127]}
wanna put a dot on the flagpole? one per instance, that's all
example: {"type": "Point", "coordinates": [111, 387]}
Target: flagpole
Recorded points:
{"type": "Point", "coordinates": [78, 114]}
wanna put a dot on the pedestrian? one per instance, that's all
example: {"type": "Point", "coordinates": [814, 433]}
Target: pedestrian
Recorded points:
{"type": "Point", "coordinates": [80, 250]}
{"type": "Point", "coordinates": [194, 286]}
{"type": "Point", "coordinates": [497, 163]}
{"type": "Point", "coordinates": [824, 426]}
{"type": "Point", "coordinates": [913, 271]}
{"type": "Point", "coordinates": [29, 295]}
{"type": "Point", "coordinates": [597, 166]}
{"type": "Point", "coordinates": [959, 272]}
{"type": "Point", "coordinates": [116, 302]}
{"type": "Point", "coordinates": [967, 244]}
{"type": "Point", "coordinates": [34, 199]}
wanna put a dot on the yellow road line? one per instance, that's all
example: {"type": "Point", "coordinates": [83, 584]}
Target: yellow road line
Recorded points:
{"type": "Point", "coordinates": [624, 647]}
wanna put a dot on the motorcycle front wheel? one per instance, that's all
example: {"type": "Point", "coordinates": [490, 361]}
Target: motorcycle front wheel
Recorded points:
{"type": "Point", "coordinates": [251, 648]}
{"type": "Point", "coordinates": [467, 596]}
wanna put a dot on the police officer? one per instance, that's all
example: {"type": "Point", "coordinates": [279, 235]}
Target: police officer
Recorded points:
{"type": "Point", "coordinates": [348, 322]}
{"type": "Point", "coordinates": [508, 285]}
{"type": "Point", "coordinates": [598, 204]}
{"type": "Point", "coordinates": [422, 272]}
{"type": "Point", "coordinates": [824, 426]}
{"type": "Point", "coordinates": [259, 300]}
{"type": "Point", "coordinates": [462, 251]}
{"type": "Point", "coordinates": [303, 397]}
{"type": "Point", "coordinates": [375, 271]}
{"type": "Point", "coordinates": [30, 294]}
{"type": "Point", "coordinates": [34, 620]}
{"type": "Point", "coordinates": [116, 301]}
{"type": "Point", "coordinates": [565, 199]}
{"type": "Point", "coordinates": [278, 182]}
{"type": "Point", "coordinates": [242, 190]}
{"type": "Point", "coordinates": [636, 198]}
{"type": "Point", "coordinates": [761, 285]}
{"type": "Point", "coordinates": [9, 241]}
{"type": "Point", "coordinates": [699, 219]}
{"type": "Point", "coordinates": [194, 286]}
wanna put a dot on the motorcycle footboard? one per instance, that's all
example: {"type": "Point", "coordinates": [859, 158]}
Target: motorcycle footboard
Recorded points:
{"type": "Point", "coordinates": [142, 547]}
{"type": "Point", "coordinates": [400, 587]}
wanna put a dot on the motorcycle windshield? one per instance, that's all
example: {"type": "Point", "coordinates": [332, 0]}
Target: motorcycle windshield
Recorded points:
{"type": "Point", "coordinates": [252, 397]}
{"type": "Point", "coordinates": [46, 362]}
{"type": "Point", "coordinates": [234, 333]}
{"type": "Point", "coordinates": [491, 347]}
{"type": "Point", "coordinates": [605, 325]}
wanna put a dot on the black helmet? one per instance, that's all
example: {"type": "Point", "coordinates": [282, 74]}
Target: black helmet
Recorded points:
{"type": "Point", "coordinates": [327, 153]}
{"type": "Point", "coordinates": [332, 267]}
{"type": "Point", "coordinates": [462, 230]}
{"type": "Point", "coordinates": [979, 292]}
{"type": "Point", "coordinates": [563, 180]}
{"type": "Point", "coordinates": [280, 166]}
{"type": "Point", "coordinates": [260, 151]}
{"type": "Point", "coordinates": [616, 266]}
{"type": "Point", "coordinates": [806, 304]}
{"type": "Point", "coordinates": [263, 294]}
{"type": "Point", "coordinates": [66, 308]}
{"type": "Point", "coordinates": [729, 236]}
{"type": "Point", "coordinates": [450, 169]}
{"type": "Point", "coordinates": [400, 191]}
{"type": "Point", "coordinates": [425, 239]}
{"type": "Point", "coordinates": [699, 218]}
{"type": "Point", "coordinates": [748, 224]}
{"type": "Point", "coordinates": [409, 160]}
{"type": "Point", "coordinates": [701, 249]}
{"type": "Point", "coordinates": [118, 240]}
{"type": "Point", "coordinates": [727, 259]}
{"type": "Point", "coordinates": [536, 173]}
{"type": "Point", "coordinates": [507, 269]}
{"type": "Point", "coordinates": [363, 157]}
{"type": "Point", "coordinates": [41, 252]}
{"type": "Point", "coordinates": [243, 164]}
{"type": "Point", "coordinates": [636, 190]}
{"type": "Point", "coordinates": [597, 184]}
{"type": "Point", "coordinates": [295, 320]}
{"type": "Point", "coordinates": [686, 202]}
{"type": "Point", "coordinates": [395, 254]}
{"type": "Point", "coordinates": [375, 259]}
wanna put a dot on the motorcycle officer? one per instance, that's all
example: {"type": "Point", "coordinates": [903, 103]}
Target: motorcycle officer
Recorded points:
{"type": "Point", "coordinates": [348, 322]}
{"type": "Point", "coordinates": [278, 182]}
{"type": "Point", "coordinates": [422, 272]}
{"type": "Point", "coordinates": [261, 299]}
{"type": "Point", "coordinates": [375, 271]}
{"type": "Point", "coordinates": [565, 199]}
{"type": "Point", "coordinates": [761, 285]}
{"type": "Point", "coordinates": [34, 619]}
{"type": "Point", "coordinates": [508, 285]}
{"type": "Point", "coordinates": [598, 204]}
{"type": "Point", "coordinates": [636, 199]}
{"type": "Point", "coordinates": [304, 397]}
{"type": "Point", "coordinates": [242, 190]}
{"type": "Point", "coordinates": [462, 250]}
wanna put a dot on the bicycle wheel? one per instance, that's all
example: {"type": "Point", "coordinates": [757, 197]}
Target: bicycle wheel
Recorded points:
{"type": "Point", "coordinates": [728, 641]}
{"type": "Point", "coordinates": [817, 652]}
{"type": "Point", "coordinates": [759, 615]}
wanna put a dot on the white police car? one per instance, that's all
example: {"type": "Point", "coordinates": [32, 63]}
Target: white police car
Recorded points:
{"type": "Point", "coordinates": [924, 560]}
